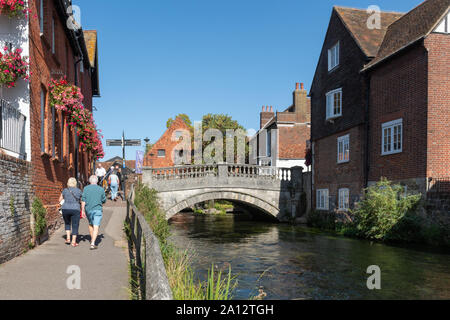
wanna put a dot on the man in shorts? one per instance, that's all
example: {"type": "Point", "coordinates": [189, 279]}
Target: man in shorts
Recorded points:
{"type": "Point", "coordinates": [92, 202]}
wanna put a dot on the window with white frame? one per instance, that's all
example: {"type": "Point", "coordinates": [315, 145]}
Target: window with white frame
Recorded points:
{"type": "Point", "coordinates": [333, 57]}
{"type": "Point", "coordinates": [444, 26]}
{"type": "Point", "coordinates": [322, 199]}
{"type": "Point", "coordinates": [161, 153]}
{"type": "Point", "coordinates": [43, 95]}
{"type": "Point", "coordinates": [392, 137]}
{"type": "Point", "coordinates": [344, 149]}
{"type": "Point", "coordinates": [41, 16]}
{"type": "Point", "coordinates": [334, 103]}
{"type": "Point", "coordinates": [269, 143]}
{"type": "Point", "coordinates": [344, 199]}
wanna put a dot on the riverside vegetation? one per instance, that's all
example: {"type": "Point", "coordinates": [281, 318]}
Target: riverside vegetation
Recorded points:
{"type": "Point", "coordinates": [386, 214]}
{"type": "Point", "coordinates": [218, 286]}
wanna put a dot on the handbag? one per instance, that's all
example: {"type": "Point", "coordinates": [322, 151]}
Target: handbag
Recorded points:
{"type": "Point", "coordinates": [60, 206]}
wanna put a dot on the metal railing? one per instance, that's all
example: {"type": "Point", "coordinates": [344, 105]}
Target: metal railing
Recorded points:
{"type": "Point", "coordinates": [12, 125]}
{"type": "Point", "coordinates": [147, 264]}
{"type": "Point", "coordinates": [439, 186]}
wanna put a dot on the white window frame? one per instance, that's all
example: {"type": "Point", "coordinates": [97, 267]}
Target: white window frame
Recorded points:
{"type": "Point", "coordinates": [322, 199]}
{"type": "Point", "coordinates": [390, 136]}
{"type": "Point", "coordinates": [157, 153]}
{"type": "Point", "coordinates": [343, 148]}
{"type": "Point", "coordinates": [333, 63]}
{"type": "Point", "coordinates": [41, 16]}
{"type": "Point", "coordinates": [331, 105]}
{"type": "Point", "coordinates": [344, 199]}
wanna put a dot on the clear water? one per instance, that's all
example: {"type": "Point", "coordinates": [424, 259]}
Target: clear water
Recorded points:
{"type": "Point", "coordinates": [295, 262]}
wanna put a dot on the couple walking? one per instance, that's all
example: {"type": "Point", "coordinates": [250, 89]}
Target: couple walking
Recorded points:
{"type": "Point", "coordinates": [87, 204]}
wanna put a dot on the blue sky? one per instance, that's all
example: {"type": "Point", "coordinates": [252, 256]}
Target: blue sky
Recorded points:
{"type": "Point", "coordinates": [160, 58]}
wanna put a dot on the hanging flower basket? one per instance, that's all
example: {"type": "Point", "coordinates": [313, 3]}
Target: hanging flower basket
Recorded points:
{"type": "Point", "coordinates": [69, 99]}
{"type": "Point", "coordinates": [14, 8]}
{"type": "Point", "coordinates": [12, 67]}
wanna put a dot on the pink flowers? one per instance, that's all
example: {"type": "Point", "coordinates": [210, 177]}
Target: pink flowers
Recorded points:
{"type": "Point", "coordinates": [14, 8]}
{"type": "Point", "coordinates": [69, 99]}
{"type": "Point", "coordinates": [12, 67]}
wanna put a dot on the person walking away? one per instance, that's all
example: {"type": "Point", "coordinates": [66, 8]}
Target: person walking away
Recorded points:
{"type": "Point", "coordinates": [71, 210]}
{"type": "Point", "coordinates": [114, 183]}
{"type": "Point", "coordinates": [92, 202]}
{"type": "Point", "coordinates": [100, 172]}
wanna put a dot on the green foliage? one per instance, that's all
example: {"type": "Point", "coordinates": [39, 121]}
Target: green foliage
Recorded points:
{"type": "Point", "coordinates": [178, 264]}
{"type": "Point", "coordinates": [183, 116]}
{"type": "Point", "coordinates": [322, 220]}
{"type": "Point", "coordinates": [386, 214]}
{"type": "Point", "coordinates": [12, 207]}
{"type": "Point", "coordinates": [39, 212]}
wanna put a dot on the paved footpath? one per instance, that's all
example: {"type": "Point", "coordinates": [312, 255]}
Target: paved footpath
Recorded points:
{"type": "Point", "coordinates": [41, 274]}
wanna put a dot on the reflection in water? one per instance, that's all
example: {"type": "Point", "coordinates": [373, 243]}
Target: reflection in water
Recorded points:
{"type": "Point", "coordinates": [293, 262]}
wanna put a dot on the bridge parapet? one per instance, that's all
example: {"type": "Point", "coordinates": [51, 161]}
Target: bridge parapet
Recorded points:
{"type": "Point", "coordinates": [274, 190]}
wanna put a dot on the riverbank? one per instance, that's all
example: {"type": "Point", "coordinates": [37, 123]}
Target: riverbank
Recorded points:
{"type": "Point", "coordinates": [184, 285]}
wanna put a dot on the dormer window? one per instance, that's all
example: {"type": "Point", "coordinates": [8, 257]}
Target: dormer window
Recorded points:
{"type": "Point", "coordinates": [334, 104]}
{"type": "Point", "coordinates": [333, 57]}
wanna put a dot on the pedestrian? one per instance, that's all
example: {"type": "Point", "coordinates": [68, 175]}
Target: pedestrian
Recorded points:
{"type": "Point", "coordinates": [92, 202]}
{"type": "Point", "coordinates": [100, 172]}
{"type": "Point", "coordinates": [114, 184]}
{"type": "Point", "coordinates": [71, 211]}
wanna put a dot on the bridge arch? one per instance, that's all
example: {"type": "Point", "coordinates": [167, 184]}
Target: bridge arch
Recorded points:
{"type": "Point", "coordinates": [229, 195]}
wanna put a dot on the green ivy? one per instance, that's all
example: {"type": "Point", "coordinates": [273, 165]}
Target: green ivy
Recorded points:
{"type": "Point", "coordinates": [39, 213]}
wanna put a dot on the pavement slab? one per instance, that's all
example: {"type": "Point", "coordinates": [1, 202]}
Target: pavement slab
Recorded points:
{"type": "Point", "coordinates": [43, 273]}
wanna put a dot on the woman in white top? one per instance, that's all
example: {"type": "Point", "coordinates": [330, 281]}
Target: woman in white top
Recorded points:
{"type": "Point", "coordinates": [114, 184]}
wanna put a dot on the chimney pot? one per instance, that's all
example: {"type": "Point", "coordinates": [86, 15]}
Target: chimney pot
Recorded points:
{"type": "Point", "coordinates": [297, 86]}
{"type": "Point", "coordinates": [271, 109]}
{"type": "Point", "coordinates": [303, 86]}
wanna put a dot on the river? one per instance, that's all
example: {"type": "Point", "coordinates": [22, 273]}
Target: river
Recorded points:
{"type": "Point", "coordinates": [296, 262]}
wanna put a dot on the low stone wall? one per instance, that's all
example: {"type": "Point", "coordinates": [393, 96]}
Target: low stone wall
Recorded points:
{"type": "Point", "coordinates": [15, 207]}
{"type": "Point", "coordinates": [438, 209]}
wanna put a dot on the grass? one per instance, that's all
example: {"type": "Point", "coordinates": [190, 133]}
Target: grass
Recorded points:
{"type": "Point", "coordinates": [178, 263]}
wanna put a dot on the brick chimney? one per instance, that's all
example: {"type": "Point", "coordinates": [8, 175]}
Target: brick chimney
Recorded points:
{"type": "Point", "coordinates": [301, 103]}
{"type": "Point", "coordinates": [266, 114]}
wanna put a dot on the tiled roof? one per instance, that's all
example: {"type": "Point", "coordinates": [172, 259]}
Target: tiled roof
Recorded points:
{"type": "Point", "coordinates": [90, 37]}
{"type": "Point", "coordinates": [369, 40]}
{"type": "Point", "coordinates": [413, 26]}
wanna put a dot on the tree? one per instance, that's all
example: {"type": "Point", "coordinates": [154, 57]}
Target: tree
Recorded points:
{"type": "Point", "coordinates": [183, 116]}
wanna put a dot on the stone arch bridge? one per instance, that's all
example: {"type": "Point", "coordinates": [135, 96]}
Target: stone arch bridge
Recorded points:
{"type": "Point", "coordinates": [273, 191]}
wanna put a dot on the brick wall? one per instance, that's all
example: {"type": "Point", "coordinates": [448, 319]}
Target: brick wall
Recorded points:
{"type": "Point", "coordinates": [399, 91]}
{"type": "Point", "coordinates": [151, 159]}
{"type": "Point", "coordinates": [50, 174]}
{"type": "Point", "coordinates": [328, 174]}
{"type": "Point", "coordinates": [15, 183]}
{"type": "Point", "coordinates": [438, 126]}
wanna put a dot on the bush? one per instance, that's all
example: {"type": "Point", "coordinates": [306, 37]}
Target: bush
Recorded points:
{"type": "Point", "coordinates": [39, 213]}
{"type": "Point", "coordinates": [386, 214]}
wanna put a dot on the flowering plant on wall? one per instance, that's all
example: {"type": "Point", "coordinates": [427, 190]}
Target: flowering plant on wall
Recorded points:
{"type": "Point", "coordinates": [69, 99]}
{"type": "Point", "coordinates": [12, 67]}
{"type": "Point", "coordinates": [13, 8]}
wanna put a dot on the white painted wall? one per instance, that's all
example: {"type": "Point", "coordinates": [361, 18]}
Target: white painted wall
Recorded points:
{"type": "Point", "coordinates": [290, 163]}
{"type": "Point", "coordinates": [16, 31]}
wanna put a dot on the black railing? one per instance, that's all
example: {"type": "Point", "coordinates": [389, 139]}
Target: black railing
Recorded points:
{"type": "Point", "coordinates": [12, 129]}
{"type": "Point", "coordinates": [439, 186]}
{"type": "Point", "coordinates": [148, 273]}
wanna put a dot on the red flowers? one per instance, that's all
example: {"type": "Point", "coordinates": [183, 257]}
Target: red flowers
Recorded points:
{"type": "Point", "coordinates": [14, 8]}
{"type": "Point", "coordinates": [69, 99]}
{"type": "Point", "coordinates": [12, 67]}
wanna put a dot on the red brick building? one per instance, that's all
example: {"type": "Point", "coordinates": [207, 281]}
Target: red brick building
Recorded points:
{"type": "Point", "coordinates": [164, 152]}
{"type": "Point", "coordinates": [380, 102]}
{"type": "Point", "coordinates": [56, 52]}
{"type": "Point", "coordinates": [409, 102]}
{"type": "Point", "coordinates": [282, 138]}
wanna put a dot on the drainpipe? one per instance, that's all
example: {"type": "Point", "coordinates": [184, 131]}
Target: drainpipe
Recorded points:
{"type": "Point", "coordinates": [77, 36]}
{"type": "Point", "coordinates": [367, 127]}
